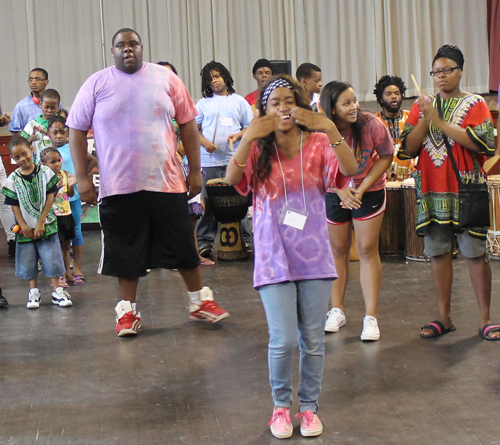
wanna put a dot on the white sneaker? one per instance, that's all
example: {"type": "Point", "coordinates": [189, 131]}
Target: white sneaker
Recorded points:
{"type": "Point", "coordinates": [61, 298]}
{"type": "Point", "coordinates": [335, 320]}
{"type": "Point", "coordinates": [370, 329]}
{"type": "Point", "coordinates": [34, 299]}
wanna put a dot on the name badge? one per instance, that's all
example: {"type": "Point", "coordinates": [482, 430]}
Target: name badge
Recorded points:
{"type": "Point", "coordinates": [293, 217]}
{"type": "Point", "coordinates": [226, 121]}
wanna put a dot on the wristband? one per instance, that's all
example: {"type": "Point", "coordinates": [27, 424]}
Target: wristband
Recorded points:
{"type": "Point", "coordinates": [337, 143]}
{"type": "Point", "coordinates": [236, 163]}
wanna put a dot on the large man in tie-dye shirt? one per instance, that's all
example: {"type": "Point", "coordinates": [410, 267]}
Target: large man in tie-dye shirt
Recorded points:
{"type": "Point", "coordinates": [143, 211]}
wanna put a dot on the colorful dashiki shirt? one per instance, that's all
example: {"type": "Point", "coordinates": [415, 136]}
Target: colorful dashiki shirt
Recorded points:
{"type": "Point", "coordinates": [32, 196]}
{"type": "Point", "coordinates": [399, 170]}
{"type": "Point", "coordinates": [39, 126]}
{"type": "Point", "coordinates": [436, 183]}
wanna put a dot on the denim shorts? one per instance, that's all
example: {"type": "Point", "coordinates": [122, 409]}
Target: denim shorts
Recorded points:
{"type": "Point", "coordinates": [440, 240]}
{"type": "Point", "coordinates": [48, 250]}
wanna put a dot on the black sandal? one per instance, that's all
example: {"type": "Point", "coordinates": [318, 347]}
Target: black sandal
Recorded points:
{"type": "Point", "coordinates": [485, 332]}
{"type": "Point", "coordinates": [438, 329]}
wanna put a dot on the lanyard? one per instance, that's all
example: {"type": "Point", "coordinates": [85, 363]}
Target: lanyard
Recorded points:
{"type": "Point", "coordinates": [301, 171]}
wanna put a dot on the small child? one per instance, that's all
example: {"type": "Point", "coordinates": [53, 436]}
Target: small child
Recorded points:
{"type": "Point", "coordinates": [36, 130]}
{"type": "Point", "coordinates": [30, 191]}
{"type": "Point", "coordinates": [58, 133]}
{"type": "Point", "coordinates": [51, 158]}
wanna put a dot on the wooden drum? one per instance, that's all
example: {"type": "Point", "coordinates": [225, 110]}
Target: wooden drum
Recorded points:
{"type": "Point", "coordinates": [392, 235]}
{"type": "Point", "coordinates": [494, 231]}
{"type": "Point", "coordinates": [414, 245]}
{"type": "Point", "coordinates": [229, 208]}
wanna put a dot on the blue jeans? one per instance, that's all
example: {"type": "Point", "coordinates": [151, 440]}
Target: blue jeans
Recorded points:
{"type": "Point", "coordinates": [76, 211]}
{"type": "Point", "coordinates": [296, 313]}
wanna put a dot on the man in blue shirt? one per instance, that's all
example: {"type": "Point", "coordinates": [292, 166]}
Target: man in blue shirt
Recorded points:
{"type": "Point", "coordinates": [29, 108]}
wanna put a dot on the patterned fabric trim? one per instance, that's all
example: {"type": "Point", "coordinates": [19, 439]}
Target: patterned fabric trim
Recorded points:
{"type": "Point", "coordinates": [402, 137]}
{"type": "Point", "coordinates": [484, 137]}
{"type": "Point", "coordinates": [50, 229]}
{"type": "Point", "coordinates": [9, 193]}
{"type": "Point", "coordinates": [440, 208]}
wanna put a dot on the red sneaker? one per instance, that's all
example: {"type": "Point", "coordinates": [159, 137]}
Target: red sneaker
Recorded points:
{"type": "Point", "coordinates": [208, 310]}
{"type": "Point", "coordinates": [127, 323]}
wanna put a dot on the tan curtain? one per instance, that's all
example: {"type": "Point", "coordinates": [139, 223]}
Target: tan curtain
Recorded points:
{"type": "Point", "coordinates": [351, 40]}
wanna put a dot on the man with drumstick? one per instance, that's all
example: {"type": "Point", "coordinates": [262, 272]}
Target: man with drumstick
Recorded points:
{"type": "Point", "coordinates": [142, 188]}
{"type": "Point", "coordinates": [390, 92]}
{"type": "Point", "coordinates": [222, 118]}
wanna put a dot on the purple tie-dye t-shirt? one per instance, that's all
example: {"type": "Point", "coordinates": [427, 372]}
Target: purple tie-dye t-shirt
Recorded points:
{"type": "Point", "coordinates": [131, 115]}
{"type": "Point", "coordinates": [283, 253]}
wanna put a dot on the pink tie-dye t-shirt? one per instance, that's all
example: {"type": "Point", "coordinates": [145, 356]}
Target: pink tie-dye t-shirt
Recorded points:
{"type": "Point", "coordinates": [131, 115]}
{"type": "Point", "coordinates": [284, 253]}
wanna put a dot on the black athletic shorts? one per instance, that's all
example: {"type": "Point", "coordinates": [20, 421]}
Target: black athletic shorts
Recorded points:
{"type": "Point", "coordinates": [372, 205]}
{"type": "Point", "coordinates": [66, 227]}
{"type": "Point", "coordinates": [146, 230]}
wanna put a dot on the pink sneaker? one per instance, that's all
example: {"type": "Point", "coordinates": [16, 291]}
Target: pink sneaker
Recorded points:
{"type": "Point", "coordinates": [281, 424]}
{"type": "Point", "coordinates": [310, 425]}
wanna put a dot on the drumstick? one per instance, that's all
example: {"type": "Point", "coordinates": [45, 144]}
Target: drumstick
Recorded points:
{"type": "Point", "coordinates": [215, 129]}
{"type": "Point", "coordinates": [416, 85]}
{"type": "Point", "coordinates": [231, 145]}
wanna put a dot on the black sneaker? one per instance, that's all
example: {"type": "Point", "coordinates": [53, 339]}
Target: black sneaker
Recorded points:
{"type": "Point", "coordinates": [3, 300]}
{"type": "Point", "coordinates": [205, 251]}
{"type": "Point", "coordinates": [12, 248]}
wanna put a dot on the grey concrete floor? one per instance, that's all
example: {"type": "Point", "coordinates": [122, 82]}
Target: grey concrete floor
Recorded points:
{"type": "Point", "coordinates": [66, 378]}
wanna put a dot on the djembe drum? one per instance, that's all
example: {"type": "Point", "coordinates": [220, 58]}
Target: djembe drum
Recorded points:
{"type": "Point", "coordinates": [229, 208]}
{"type": "Point", "coordinates": [414, 245]}
{"type": "Point", "coordinates": [494, 231]}
{"type": "Point", "coordinates": [392, 234]}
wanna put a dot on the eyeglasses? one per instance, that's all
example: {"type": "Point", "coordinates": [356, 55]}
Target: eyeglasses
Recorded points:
{"type": "Point", "coordinates": [436, 73]}
{"type": "Point", "coordinates": [35, 79]}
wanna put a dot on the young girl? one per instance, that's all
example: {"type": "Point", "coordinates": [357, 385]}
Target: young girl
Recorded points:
{"type": "Point", "coordinates": [65, 223]}
{"type": "Point", "coordinates": [466, 123]}
{"type": "Point", "coordinates": [362, 204]}
{"type": "Point", "coordinates": [58, 133]}
{"type": "Point", "coordinates": [289, 168]}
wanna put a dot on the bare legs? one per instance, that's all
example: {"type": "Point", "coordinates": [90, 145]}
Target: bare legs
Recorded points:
{"type": "Point", "coordinates": [77, 257]}
{"type": "Point", "coordinates": [367, 235]}
{"type": "Point", "coordinates": [442, 279]}
{"type": "Point", "coordinates": [65, 246]}
{"type": "Point", "coordinates": [128, 286]}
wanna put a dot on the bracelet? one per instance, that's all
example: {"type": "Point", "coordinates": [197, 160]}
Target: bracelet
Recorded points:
{"type": "Point", "coordinates": [337, 143]}
{"type": "Point", "coordinates": [236, 163]}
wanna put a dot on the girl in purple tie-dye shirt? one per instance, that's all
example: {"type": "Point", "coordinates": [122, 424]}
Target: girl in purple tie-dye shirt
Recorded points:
{"type": "Point", "coordinates": [289, 169]}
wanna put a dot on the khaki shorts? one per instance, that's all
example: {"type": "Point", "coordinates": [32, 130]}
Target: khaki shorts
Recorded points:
{"type": "Point", "coordinates": [439, 239]}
